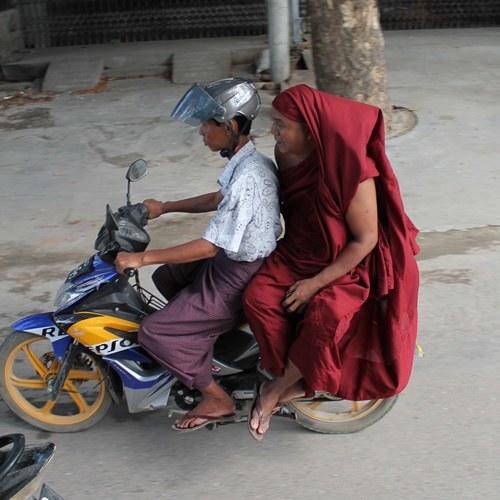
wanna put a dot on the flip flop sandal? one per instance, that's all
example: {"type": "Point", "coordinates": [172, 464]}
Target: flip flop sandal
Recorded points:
{"type": "Point", "coordinates": [208, 420]}
{"type": "Point", "coordinates": [257, 407]}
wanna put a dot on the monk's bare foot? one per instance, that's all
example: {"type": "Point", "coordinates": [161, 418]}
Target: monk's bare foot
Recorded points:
{"type": "Point", "coordinates": [262, 411]}
{"type": "Point", "coordinates": [296, 391]}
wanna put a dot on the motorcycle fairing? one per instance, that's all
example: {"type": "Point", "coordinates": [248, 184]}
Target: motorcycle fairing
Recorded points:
{"type": "Point", "coordinates": [103, 334]}
{"type": "Point", "coordinates": [118, 299]}
{"type": "Point", "coordinates": [43, 324]}
{"type": "Point", "coordinates": [108, 336]}
{"type": "Point", "coordinates": [84, 279]}
{"type": "Point", "coordinates": [137, 354]}
{"type": "Point", "coordinates": [144, 388]}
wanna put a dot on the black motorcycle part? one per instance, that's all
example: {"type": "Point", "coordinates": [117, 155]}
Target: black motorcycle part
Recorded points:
{"type": "Point", "coordinates": [56, 384]}
{"type": "Point", "coordinates": [185, 398]}
{"type": "Point", "coordinates": [9, 458]}
{"type": "Point", "coordinates": [115, 387]}
{"type": "Point", "coordinates": [25, 468]}
{"type": "Point", "coordinates": [122, 231]}
{"type": "Point", "coordinates": [118, 299]}
{"type": "Point", "coordinates": [232, 345]}
{"type": "Point", "coordinates": [239, 381]}
{"type": "Point", "coordinates": [46, 493]}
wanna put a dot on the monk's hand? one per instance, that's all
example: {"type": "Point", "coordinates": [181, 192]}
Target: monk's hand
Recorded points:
{"type": "Point", "coordinates": [126, 260]}
{"type": "Point", "coordinates": [299, 295]}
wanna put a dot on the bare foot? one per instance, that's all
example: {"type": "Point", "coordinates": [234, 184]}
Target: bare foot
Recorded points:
{"type": "Point", "coordinates": [296, 391]}
{"type": "Point", "coordinates": [264, 405]}
{"type": "Point", "coordinates": [265, 401]}
{"type": "Point", "coordinates": [215, 403]}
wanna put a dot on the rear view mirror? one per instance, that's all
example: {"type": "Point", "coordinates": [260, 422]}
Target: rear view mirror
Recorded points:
{"type": "Point", "coordinates": [137, 170]}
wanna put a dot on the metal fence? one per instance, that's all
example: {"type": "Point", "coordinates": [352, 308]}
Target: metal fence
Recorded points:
{"type": "Point", "coordinates": [52, 23]}
{"type": "Point", "coordinates": [420, 14]}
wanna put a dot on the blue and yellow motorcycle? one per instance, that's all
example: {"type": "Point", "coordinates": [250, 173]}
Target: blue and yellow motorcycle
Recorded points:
{"type": "Point", "coordinates": [60, 371]}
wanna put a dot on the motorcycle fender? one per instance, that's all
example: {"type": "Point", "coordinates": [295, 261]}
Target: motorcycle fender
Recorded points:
{"type": "Point", "coordinates": [42, 324]}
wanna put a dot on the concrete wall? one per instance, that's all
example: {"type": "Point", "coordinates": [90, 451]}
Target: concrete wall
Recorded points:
{"type": "Point", "coordinates": [10, 34]}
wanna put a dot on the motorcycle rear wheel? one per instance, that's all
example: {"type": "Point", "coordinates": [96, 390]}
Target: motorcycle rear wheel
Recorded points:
{"type": "Point", "coordinates": [340, 416]}
{"type": "Point", "coordinates": [27, 361]}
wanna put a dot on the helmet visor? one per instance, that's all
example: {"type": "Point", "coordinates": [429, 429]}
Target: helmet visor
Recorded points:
{"type": "Point", "coordinates": [196, 107]}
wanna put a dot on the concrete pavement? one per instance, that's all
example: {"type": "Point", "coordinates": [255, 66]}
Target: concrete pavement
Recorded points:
{"type": "Point", "coordinates": [63, 159]}
{"type": "Point", "coordinates": [82, 67]}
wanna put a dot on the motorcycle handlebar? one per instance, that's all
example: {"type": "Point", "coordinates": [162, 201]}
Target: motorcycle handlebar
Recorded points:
{"type": "Point", "coordinates": [143, 213]}
{"type": "Point", "coordinates": [123, 231]}
{"type": "Point", "coordinates": [130, 272]}
{"type": "Point", "coordinates": [137, 213]}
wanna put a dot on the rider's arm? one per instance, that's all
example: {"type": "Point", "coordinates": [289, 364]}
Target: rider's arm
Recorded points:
{"type": "Point", "coordinates": [198, 204]}
{"type": "Point", "coordinates": [187, 252]}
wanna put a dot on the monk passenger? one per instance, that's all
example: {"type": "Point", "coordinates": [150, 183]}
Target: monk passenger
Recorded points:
{"type": "Point", "coordinates": [334, 308]}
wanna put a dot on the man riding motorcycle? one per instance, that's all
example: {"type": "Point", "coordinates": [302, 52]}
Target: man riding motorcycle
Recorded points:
{"type": "Point", "coordinates": [204, 279]}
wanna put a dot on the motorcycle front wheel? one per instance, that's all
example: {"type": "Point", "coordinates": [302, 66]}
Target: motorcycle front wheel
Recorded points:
{"type": "Point", "coordinates": [340, 416]}
{"type": "Point", "coordinates": [27, 363]}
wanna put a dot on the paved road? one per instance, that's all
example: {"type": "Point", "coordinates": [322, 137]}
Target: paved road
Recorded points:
{"type": "Point", "coordinates": [63, 159]}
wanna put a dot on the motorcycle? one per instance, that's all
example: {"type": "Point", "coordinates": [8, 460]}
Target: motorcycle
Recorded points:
{"type": "Point", "coordinates": [22, 469]}
{"type": "Point", "coordinates": [60, 371]}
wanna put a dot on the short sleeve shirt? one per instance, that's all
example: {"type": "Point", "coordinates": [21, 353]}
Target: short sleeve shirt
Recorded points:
{"type": "Point", "coordinates": [247, 222]}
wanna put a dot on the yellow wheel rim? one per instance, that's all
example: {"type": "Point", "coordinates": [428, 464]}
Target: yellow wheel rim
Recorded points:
{"type": "Point", "coordinates": [337, 411]}
{"type": "Point", "coordinates": [27, 370]}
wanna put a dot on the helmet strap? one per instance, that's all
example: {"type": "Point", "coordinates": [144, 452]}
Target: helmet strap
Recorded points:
{"type": "Point", "coordinates": [229, 152]}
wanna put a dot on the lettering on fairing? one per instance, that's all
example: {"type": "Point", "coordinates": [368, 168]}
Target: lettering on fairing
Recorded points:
{"type": "Point", "coordinates": [112, 346]}
{"type": "Point", "coordinates": [48, 331]}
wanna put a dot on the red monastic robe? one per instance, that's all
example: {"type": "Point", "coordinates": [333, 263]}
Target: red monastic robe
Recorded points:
{"type": "Point", "coordinates": [356, 338]}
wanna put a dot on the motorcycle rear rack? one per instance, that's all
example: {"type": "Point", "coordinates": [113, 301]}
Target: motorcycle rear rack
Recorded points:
{"type": "Point", "coordinates": [150, 299]}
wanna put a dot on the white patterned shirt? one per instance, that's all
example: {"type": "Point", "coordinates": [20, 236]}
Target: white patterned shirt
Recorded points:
{"type": "Point", "coordinates": [247, 222]}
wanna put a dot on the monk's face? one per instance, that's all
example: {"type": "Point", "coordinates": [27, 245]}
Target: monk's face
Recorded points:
{"type": "Point", "coordinates": [291, 137]}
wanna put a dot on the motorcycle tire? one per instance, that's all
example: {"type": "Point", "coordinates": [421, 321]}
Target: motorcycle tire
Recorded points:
{"type": "Point", "coordinates": [340, 416]}
{"type": "Point", "coordinates": [27, 361]}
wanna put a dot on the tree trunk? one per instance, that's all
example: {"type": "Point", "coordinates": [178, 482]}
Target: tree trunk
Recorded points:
{"type": "Point", "coordinates": [348, 51]}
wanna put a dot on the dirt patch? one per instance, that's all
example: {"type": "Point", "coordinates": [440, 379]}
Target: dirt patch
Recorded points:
{"type": "Point", "coordinates": [450, 277]}
{"type": "Point", "coordinates": [21, 98]}
{"type": "Point", "coordinates": [457, 242]}
{"type": "Point", "coordinates": [29, 118]}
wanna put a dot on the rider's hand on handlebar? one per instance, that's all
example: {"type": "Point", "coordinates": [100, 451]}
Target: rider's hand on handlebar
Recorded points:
{"type": "Point", "coordinates": [126, 260]}
{"type": "Point", "coordinates": [155, 208]}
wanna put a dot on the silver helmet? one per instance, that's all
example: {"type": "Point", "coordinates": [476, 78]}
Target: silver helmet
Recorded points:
{"type": "Point", "coordinates": [220, 101]}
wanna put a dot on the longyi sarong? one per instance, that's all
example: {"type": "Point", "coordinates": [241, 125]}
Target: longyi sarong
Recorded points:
{"type": "Point", "coordinates": [204, 302]}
